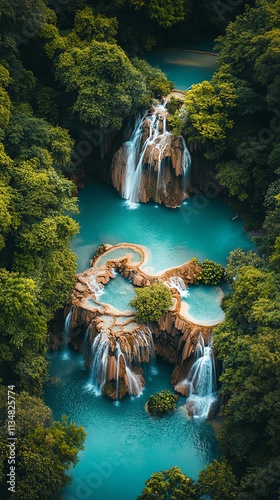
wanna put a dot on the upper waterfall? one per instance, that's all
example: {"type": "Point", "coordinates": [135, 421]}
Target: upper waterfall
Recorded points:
{"type": "Point", "coordinates": [154, 163]}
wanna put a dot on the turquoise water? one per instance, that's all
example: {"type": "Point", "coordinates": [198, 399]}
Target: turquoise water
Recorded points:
{"type": "Point", "coordinates": [204, 303]}
{"type": "Point", "coordinates": [118, 293]}
{"type": "Point", "coordinates": [124, 445]}
{"type": "Point", "coordinates": [172, 236]}
{"type": "Point", "coordinates": [182, 67]}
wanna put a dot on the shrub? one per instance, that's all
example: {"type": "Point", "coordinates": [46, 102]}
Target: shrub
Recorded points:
{"type": "Point", "coordinates": [160, 403]}
{"type": "Point", "coordinates": [212, 273]}
{"type": "Point", "coordinates": [151, 302]}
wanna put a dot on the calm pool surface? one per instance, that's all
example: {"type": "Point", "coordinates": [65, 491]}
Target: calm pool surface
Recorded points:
{"type": "Point", "coordinates": [172, 236]}
{"type": "Point", "coordinates": [124, 445]}
{"type": "Point", "coordinates": [182, 67]}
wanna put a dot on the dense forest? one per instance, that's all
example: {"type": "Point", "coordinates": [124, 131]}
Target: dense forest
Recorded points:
{"type": "Point", "coordinates": [70, 66]}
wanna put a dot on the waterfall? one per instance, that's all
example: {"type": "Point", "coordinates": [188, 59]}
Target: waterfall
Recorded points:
{"type": "Point", "coordinates": [96, 288]}
{"type": "Point", "coordinates": [67, 323]}
{"type": "Point", "coordinates": [186, 164]}
{"type": "Point", "coordinates": [178, 283]}
{"type": "Point", "coordinates": [100, 351]}
{"type": "Point", "coordinates": [141, 351]}
{"type": "Point", "coordinates": [201, 380]}
{"type": "Point", "coordinates": [86, 341]}
{"type": "Point", "coordinates": [114, 273]}
{"type": "Point", "coordinates": [154, 163]}
{"type": "Point", "coordinates": [135, 163]}
{"type": "Point", "coordinates": [132, 150]}
{"type": "Point", "coordinates": [156, 142]}
{"type": "Point", "coordinates": [133, 381]}
{"type": "Point", "coordinates": [116, 357]}
{"type": "Point", "coordinates": [67, 328]}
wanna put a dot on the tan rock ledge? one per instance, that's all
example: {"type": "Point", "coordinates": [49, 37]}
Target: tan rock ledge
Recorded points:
{"type": "Point", "coordinates": [174, 335]}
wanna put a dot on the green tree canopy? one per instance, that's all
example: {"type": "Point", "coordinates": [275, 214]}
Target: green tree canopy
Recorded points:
{"type": "Point", "coordinates": [152, 302]}
{"type": "Point", "coordinates": [218, 481]}
{"type": "Point", "coordinates": [205, 115]}
{"type": "Point", "coordinates": [162, 402]}
{"type": "Point", "coordinates": [169, 484]}
{"type": "Point", "coordinates": [43, 457]}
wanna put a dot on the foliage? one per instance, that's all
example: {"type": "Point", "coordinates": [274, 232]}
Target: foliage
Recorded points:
{"type": "Point", "coordinates": [68, 68]}
{"type": "Point", "coordinates": [31, 412]}
{"type": "Point", "coordinates": [162, 402]}
{"type": "Point", "coordinates": [156, 81]}
{"type": "Point", "coordinates": [218, 481]}
{"type": "Point", "coordinates": [239, 258]}
{"type": "Point", "coordinates": [166, 12]}
{"type": "Point", "coordinates": [205, 113]}
{"type": "Point", "coordinates": [169, 484]}
{"type": "Point", "coordinates": [107, 85]}
{"type": "Point", "coordinates": [174, 105]}
{"type": "Point", "coordinates": [212, 273]}
{"type": "Point", "coordinates": [99, 251]}
{"type": "Point", "coordinates": [253, 138]}
{"type": "Point", "coordinates": [248, 344]}
{"type": "Point", "coordinates": [262, 482]}
{"type": "Point", "coordinates": [43, 457]}
{"type": "Point", "coordinates": [152, 302]}
{"type": "Point", "coordinates": [104, 85]}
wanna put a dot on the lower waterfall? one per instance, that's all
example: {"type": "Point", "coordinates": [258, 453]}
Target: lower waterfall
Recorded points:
{"type": "Point", "coordinates": [66, 330]}
{"type": "Point", "coordinates": [201, 382]}
{"type": "Point", "coordinates": [100, 350]}
{"type": "Point", "coordinates": [116, 361]}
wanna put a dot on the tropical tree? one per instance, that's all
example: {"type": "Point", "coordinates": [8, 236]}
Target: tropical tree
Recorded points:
{"type": "Point", "coordinates": [169, 484]}
{"type": "Point", "coordinates": [218, 481]}
{"type": "Point", "coordinates": [152, 302]}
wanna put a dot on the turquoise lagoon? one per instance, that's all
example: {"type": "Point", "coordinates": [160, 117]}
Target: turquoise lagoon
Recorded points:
{"type": "Point", "coordinates": [199, 228]}
{"type": "Point", "coordinates": [184, 67]}
{"type": "Point", "coordinates": [124, 445]}
{"type": "Point", "coordinates": [118, 293]}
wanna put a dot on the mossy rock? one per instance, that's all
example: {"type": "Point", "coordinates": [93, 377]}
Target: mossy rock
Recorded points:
{"type": "Point", "coordinates": [161, 403]}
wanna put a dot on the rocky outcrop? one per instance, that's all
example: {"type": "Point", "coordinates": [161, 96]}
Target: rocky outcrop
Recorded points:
{"type": "Point", "coordinates": [122, 344]}
{"type": "Point", "coordinates": [154, 164]}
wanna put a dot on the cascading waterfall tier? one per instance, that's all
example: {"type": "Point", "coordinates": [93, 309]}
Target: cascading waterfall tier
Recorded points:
{"type": "Point", "coordinates": [67, 329]}
{"type": "Point", "coordinates": [116, 361]}
{"type": "Point", "coordinates": [115, 346]}
{"type": "Point", "coordinates": [201, 382]}
{"type": "Point", "coordinates": [154, 164]}
{"type": "Point", "coordinates": [178, 283]}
